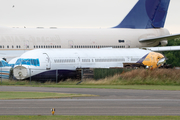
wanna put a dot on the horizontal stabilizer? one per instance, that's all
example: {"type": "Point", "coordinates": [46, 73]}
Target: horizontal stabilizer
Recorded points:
{"type": "Point", "coordinates": [167, 37]}
{"type": "Point", "coordinates": [161, 49]}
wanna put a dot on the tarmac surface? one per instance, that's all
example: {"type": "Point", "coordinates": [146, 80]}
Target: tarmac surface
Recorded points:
{"type": "Point", "coordinates": [108, 102]}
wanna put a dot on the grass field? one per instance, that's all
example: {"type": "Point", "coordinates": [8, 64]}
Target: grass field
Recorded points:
{"type": "Point", "coordinates": [136, 79]}
{"type": "Point", "coordinates": [89, 117]}
{"type": "Point", "coordinates": [159, 79]}
{"type": "Point", "coordinates": [36, 95]}
{"type": "Point", "coordinates": [73, 85]}
{"type": "Point", "coordinates": [137, 87]}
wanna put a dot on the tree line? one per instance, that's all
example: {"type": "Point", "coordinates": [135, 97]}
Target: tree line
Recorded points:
{"type": "Point", "coordinates": [173, 56]}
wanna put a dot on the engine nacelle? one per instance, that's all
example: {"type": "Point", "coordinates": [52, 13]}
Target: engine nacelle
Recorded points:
{"type": "Point", "coordinates": [163, 42]}
{"type": "Point", "coordinates": [21, 72]}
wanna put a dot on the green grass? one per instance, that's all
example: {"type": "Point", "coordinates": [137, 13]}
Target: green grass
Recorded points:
{"type": "Point", "coordinates": [36, 95]}
{"type": "Point", "coordinates": [137, 87]}
{"type": "Point", "coordinates": [159, 79]}
{"type": "Point", "coordinates": [91, 85]}
{"type": "Point", "coordinates": [89, 117]}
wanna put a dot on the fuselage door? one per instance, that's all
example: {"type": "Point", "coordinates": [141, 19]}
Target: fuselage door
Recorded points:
{"type": "Point", "coordinates": [48, 61]}
{"type": "Point", "coordinates": [128, 44]}
{"type": "Point", "coordinates": [70, 44]}
{"type": "Point", "coordinates": [78, 60]}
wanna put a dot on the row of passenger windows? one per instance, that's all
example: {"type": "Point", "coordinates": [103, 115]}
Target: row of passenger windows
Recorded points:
{"type": "Point", "coordinates": [47, 46]}
{"type": "Point", "coordinates": [64, 60]}
{"type": "Point", "coordinates": [16, 46]}
{"type": "Point", "coordinates": [95, 46]}
{"type": "Point", "coordinates": [37, 46]}
{"type": "Point", "coordinates": [69, 60]}
{"type": "Point", "coordinates": [88, 60]}
{"type": "Point", "coordinates": [110, 60]}
{"type": "Point", "coordinates": [58, 46]}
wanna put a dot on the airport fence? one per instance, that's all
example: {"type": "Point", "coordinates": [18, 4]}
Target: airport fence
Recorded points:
{"type": "Point", "coordinates": [100, 73]}
{"type": "Point", "coordinates": [56, 75]}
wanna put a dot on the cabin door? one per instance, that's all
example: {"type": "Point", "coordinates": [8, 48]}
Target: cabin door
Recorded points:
{"type": "Point", "coordinates": [71, 44]}
{"type": "Point", "coordinates": [128, 44]}
{"type": "Point", "coordinates": [47, 61]}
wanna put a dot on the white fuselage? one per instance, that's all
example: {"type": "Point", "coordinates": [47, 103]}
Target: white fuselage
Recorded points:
{"type": "Point", "coordinates": [71, 59]}
{"type": "Point", "coordinates": [27, 39]}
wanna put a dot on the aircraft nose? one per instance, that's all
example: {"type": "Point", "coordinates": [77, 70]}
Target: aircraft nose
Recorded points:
{"type": "Point", "coordinates": [20, 72]}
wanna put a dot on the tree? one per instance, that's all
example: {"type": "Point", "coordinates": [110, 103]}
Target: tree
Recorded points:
{"type": "Point", "coordinates": [173, 56]}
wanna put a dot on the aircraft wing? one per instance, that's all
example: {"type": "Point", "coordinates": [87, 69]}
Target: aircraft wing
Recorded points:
{"type": "Point", "coordinates": [161, 49]}
{"type": "Point", "coordinates": [167, 37]}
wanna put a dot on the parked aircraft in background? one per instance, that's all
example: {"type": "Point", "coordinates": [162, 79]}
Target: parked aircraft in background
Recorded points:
{"type": "Point", "coordinates": [6, 67]}
{"type": "Point", "coordinates": [142, 27]}
{"type": "Point", "coordinates": [44, 63]}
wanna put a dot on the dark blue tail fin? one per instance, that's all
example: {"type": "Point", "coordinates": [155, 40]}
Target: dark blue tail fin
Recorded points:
{"type": "Point", "coordinates": [146, 14]}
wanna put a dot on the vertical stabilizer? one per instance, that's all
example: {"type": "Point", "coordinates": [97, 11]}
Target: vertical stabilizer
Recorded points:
{"type": "Point", "coordinates": [146, 14]}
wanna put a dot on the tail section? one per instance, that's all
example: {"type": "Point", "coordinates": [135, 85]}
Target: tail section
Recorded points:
{"type": "Point", "coordinates": [146, 14]}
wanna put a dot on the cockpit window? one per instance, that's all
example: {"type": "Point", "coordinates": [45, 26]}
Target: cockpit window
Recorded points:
{"type": "Point", "coordinates": [121, 41]}
{"type": "Point", "coordinates": [33, 62]}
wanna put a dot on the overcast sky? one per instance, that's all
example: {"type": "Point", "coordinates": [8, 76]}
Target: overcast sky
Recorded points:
{"type": "Point", "coordinates": [75, 13]}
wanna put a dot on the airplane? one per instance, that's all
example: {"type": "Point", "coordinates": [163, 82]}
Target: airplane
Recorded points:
{"type": "Point", "coordinates": [142, 27]}
{"type": "Point", "coordinates": [6, 68]}
{"type": "Point", "coordinates": [43, 64]}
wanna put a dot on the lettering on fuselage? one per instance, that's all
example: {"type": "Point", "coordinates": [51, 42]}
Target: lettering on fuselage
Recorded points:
{"type": "Point", "coordinates": [29, 38]}
{"type": "Point", "coordinates": [22, 42]}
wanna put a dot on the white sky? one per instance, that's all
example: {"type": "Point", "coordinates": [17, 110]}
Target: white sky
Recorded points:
{"type": "Point", "coordinates": [75, 13]}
